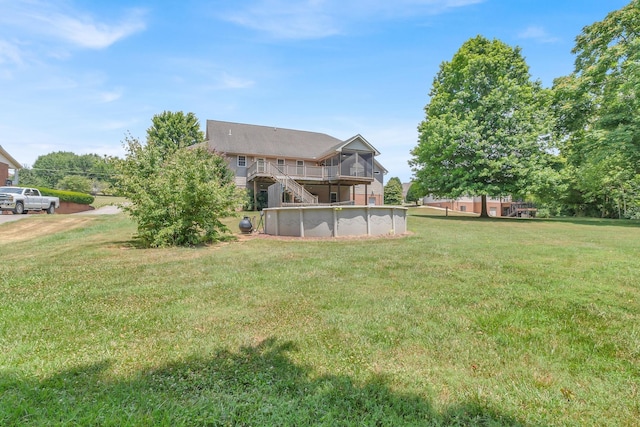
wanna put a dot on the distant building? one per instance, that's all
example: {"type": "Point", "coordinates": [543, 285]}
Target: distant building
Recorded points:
{"type": "Point", "coordinates": [8, 163]}
{"type": "Point", "coordinates": [496, 206]}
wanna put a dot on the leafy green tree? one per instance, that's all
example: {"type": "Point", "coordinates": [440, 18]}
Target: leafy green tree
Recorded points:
{"type": "Point", "coordinates": [76, 183]}
{"type": "Point", "coordinates": [393, 192]}
{"type": "Point", "coordinates": [48, 170]}
{"type": "Point", "coordinates": [177, 194]}
{"type": "Point", "coordinates": [484, 126]}
{"type": "Point", "coordinates": [414, 193]}
{"type": "Point", "coordinates": [173, 130]}
{"type": "Point", "coordinates": [597, 110]}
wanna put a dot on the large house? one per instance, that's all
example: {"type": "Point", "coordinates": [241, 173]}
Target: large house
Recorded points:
{"type": "Point", "coordinates": [288, 166]}
{"type": "Point", "coordinates": [496, 206]}
{"type": "Point", "coordinates": [6, 163]}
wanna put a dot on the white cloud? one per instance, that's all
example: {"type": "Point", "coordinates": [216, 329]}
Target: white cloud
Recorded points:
{"type": "Point", "coordinates": [85, 32]}
{"type": "Point", "coordinates": [10, 53]}
{"type": "Point", "coordinates": [206, 74]}
{"type": "Point", "coordinates": [232, 82]}
{"type": "Point", "coordinates": [537, 33]}
{"type": "Point", "coordinates": [49, 21]}
{"type": "Point", "coordinates": [312, 19]}
{"type": "Point", "coordinates": [283, 20]}
{"type": "Point", "coordinates": [110, 96]}
{"type": "Point", "coordinates": [123, 125]}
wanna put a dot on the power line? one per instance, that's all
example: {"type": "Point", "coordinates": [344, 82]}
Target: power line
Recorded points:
{"type": "Point", "coordinates": [73, 172]}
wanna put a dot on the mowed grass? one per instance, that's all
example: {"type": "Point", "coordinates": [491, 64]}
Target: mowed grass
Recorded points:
{"type": "Point", "coordinates": [463, 322]}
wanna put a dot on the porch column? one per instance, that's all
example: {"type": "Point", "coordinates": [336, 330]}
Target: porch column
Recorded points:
{"type": "Point", "coordinates": [255, 195]}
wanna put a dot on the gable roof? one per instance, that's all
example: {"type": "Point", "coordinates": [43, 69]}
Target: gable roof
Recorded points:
{"type": "Point", "coordinates": [356, 140]}
{"type": "Point", "coordinates": [13, 163]}
{"type": "Point", "coordinates": [238, 138]}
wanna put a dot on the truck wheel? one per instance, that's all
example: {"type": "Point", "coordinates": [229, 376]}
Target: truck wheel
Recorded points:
{"type": "Point", "coordinates": [19, 209]}
{"type": "Point", "coordinates": [52, 209]}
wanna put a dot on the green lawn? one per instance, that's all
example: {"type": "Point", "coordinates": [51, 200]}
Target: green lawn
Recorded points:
{"type": "Point", "coordinates": [100, 201]}
{"type": "Point", "coordinates": [464, 322]}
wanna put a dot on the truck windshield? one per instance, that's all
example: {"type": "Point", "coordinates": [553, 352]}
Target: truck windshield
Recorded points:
{"type": "Point", "coordinates": [14, 190]}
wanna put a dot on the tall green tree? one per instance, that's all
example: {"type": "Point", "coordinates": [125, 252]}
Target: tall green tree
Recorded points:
{"type": "Point", "coordinates": [177, 193]}
{"type": "Point", "coordinates": [76, 183]}
{"type": "Point", "coordinates": [50, 169]}
{"type": "Point", "coordinates": [484, 126]}
{"type": "Point", "coordinates": [393, 192]}
{"type": "Point", "coordinates": [414, 193]}
{"type": "Point", "coordinates": [597, 109]}
{"type": "Point", "coordinates": [173, 130]}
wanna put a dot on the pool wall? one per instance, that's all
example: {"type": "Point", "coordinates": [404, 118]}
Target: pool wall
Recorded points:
{"type": "Point", "coordinates": [335, 221]}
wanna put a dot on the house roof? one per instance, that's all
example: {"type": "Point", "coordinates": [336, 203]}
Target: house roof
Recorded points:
{"type": "Point", "coordinates": [229, 137]}
{"type": "Point", "coordinates": [343, 144]}
{"type": "Point", "coordinates": [13, 163]}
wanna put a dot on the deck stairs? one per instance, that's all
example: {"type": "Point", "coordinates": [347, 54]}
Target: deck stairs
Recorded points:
{"type": "Point", "coordinates": [297, 192]}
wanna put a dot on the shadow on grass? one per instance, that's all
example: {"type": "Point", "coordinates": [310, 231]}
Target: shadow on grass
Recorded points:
{"type": "Point", "coordinates": [256, 386]}
{"type": "Point", "coordinates": [137, 243]}
{"type": "Point", "coordinates": [578, 221]}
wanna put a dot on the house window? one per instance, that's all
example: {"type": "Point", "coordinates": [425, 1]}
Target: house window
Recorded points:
{"type": "Point", "coordinates": [463, 208]}
{"type": "Point", "coordinates": [333, 198]}
{"type": "Point", "coordinates": [242, 161]}
{"type": "Point", "coordinates": [300, 167]}
{"type": "Point", "coordinates": [261, 165]}
{"type": "Point", "coordinates": [493, 212]}
{"type": "Point", "coordinates": [280, 162]}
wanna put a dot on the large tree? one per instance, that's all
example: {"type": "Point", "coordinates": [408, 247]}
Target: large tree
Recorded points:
{"type": "Point", "coordinates": [51, 169]}
{"type": "Point", "coordinates": [177, 189]}
{"type": "Point", "coordinates": [598, 121]}
{"type": "Point", "coordinates": [414, 193]}
{"type": "Point", "coordinates": [171, 130]}
{"type": "Point", "coordinates": [393, 192]}
{"type": "Point", "coordinates": [485, 125]}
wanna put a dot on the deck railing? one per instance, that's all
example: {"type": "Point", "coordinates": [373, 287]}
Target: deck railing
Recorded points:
{"type": "Point", "coordinates": [298, 192]}
{"type": "Point", "coordinates": [320, 173]}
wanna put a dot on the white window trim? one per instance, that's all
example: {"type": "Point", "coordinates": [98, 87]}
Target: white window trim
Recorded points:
{"type": "Point", "coordinates": [245, 162]}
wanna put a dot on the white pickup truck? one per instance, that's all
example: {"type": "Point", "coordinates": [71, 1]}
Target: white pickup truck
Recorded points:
{"type": "Point", "coordinates": [21, 200]}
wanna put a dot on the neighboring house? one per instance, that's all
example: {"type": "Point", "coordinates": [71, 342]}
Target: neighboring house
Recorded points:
{"type": "Point", "coordinates": [298, 167]}
{"type": "Point", "coordinates": [6, 163]}
{"type": "Point", "coordinates": [496, 206]}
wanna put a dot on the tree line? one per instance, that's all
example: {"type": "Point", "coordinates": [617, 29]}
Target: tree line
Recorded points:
{"type": "Point", "coordinates": [63, 170]}
{"type": "Point", "coordinates": [573, 148]}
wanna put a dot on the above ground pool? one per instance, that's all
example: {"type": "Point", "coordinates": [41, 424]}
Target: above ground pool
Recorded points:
{"type": "Point", "coordinates": [335, 221]}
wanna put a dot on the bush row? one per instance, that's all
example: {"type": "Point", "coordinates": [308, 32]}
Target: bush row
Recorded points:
{"type": "Point", "coordinates": [67, 196]}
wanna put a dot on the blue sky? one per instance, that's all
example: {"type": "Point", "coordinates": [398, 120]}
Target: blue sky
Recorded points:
{"type": "Point", "coordinates": [76, 75]}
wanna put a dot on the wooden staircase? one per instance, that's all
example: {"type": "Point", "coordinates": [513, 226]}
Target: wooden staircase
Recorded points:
{"type": "Point", "coordinates": [298, 193]}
